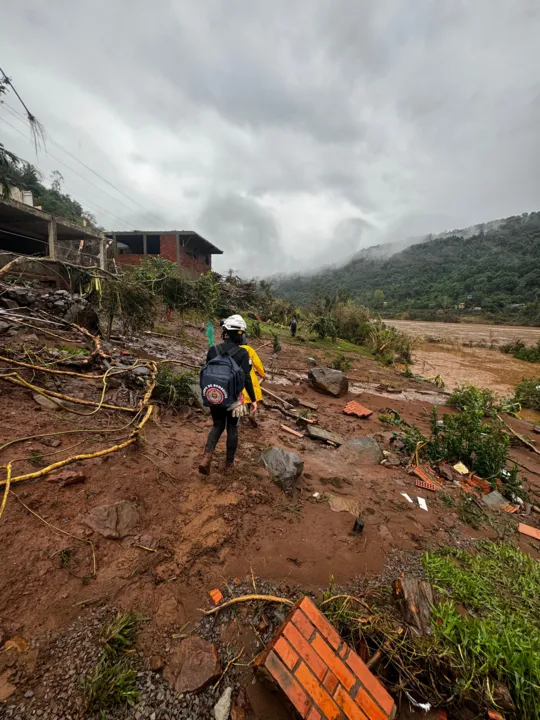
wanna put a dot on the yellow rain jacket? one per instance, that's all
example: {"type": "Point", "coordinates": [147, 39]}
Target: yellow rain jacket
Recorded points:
{"type": "Point", "coordinates": [256, 367]}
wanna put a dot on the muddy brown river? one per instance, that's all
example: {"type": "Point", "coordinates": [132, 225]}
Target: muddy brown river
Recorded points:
{"type": "Point", "coordinates": [469, 332]}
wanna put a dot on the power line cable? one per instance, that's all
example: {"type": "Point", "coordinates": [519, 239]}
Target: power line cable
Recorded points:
{"type": "Point", "coordinates": [90, 205]}
{"type": "Point", "coordinates": [94, 172]}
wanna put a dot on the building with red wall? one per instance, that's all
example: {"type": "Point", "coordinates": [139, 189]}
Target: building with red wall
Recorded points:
{"type": "Point", "coordinates": [190, 251]}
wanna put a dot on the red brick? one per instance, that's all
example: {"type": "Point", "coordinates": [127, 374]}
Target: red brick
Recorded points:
{"type": "Point", "coordinates": [310, 683]}
{"type": "Point", "coordinates": [167, 247]}
{"type": "Point", "coordinates": [330, 682]}
{"type": "Point", "coordinates": [349, 707]}
{"type": "Point", "coordinates": [369, 706]}
{"type": "Point", "coordinates": [374, 687]}
{"type": "Point", "coordinates": [287, 683]}
{"type": "Point", "coordinates": [314, 714]}
{"type": "Point", "coordinates": [286, 653]}
{"type": "Point", "coordinates": [340, 670]}
{"type": "Point", "coordinates": [306, 652]}
{"type": "Point", "coordinates": [303, 624]}
{"type": "Point", "coordinates": [320, 622]}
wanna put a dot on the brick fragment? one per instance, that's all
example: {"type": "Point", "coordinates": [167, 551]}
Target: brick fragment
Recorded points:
{"type": "Point", "coordinates": [286, 653]}
{"type": "Point", "coordinates": [340, 670]}
{"type": "Point", "coordinates": [314, 714]}
{"type": "Point", "coordinates": [320, 622]}
{"type": "Point", "coordinates": [216, 595]}
{"type": "Point", "coordinates": [370, 682]}
{"type": "Point", "coordinates": [303, 624]}
{"type": "Point", "coordinates": [304, 649]}
{"type": "Point", "coordinates": [349, 707]}
{"type": "Point", "coordinates": [369, 706]}
{"type": "Point", "coordinates": [288, 684]}
{"type": "Point", "coordinates": [330, 682]}
{"type": "Point", "coordinates": [312, 686]}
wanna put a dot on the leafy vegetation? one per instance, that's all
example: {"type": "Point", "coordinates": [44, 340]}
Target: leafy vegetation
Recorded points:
{"type": "Point", "coordinates": [112, 682]}
{"type": "Point", "coordinates": [499, 638]}
{"type": "Point", "coordinates": [341, 362]}
{"type": "Point", "coordinates": [485, 632]}
{"type": "Point", "coordinates": [519, 350]}
{"type": "Point", "coordinates": [528, 393]}
{"type": "Point", "coordinates": [497, 271]}
{"type": "Point", "coordinates": [173, 389]}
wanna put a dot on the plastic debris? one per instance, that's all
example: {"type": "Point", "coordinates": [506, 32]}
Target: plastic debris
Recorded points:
{"type": "Point", "coordinates": [461, 468]}
{"type": "Point", "coordinates": [407, 497]}
{"type": "Point", "coordinates": [427, 478]}
{"type": "Point", "coordinates": [422, 503]}
{"type": "Point", "coordinates": [358, 527]}
{"type": "Point", "coordinates": [426, 707]}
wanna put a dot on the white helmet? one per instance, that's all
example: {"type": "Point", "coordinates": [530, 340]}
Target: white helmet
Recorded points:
{"type": "Point", "coordinates": [235, 322]}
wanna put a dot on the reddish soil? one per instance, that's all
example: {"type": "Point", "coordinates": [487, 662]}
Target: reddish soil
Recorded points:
{"type": "Point", "coordinates": [206, 531]}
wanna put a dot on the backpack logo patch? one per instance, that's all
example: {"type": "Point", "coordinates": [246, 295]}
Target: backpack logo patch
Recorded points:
{"type": "Point", "coordinates": [215, 394]}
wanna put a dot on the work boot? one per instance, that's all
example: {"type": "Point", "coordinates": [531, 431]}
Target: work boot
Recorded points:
{"type": "Point", "coordinates": [204, 465]}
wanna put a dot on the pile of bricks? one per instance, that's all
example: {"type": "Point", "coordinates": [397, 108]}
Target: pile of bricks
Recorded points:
{"type": "Point", "coordinates": [320, 675]}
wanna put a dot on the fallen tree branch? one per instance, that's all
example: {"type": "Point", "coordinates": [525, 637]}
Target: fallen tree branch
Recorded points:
{"type": "Point", "coordinates": [287, 413]}
{"type": "Point", "coordinates": [89, 456]}
{"type": "Point", "coordinates": [16, 379]}
{"type": "Point", "coordinates": [519, 437]}
{"type": "Point", "coordinates": [6, 489]}
{"type": "Point", "coordinates": [248, 598]}
{"type": "Point", "coordinates": [345, 597]}
{"type": "Point", "coordinates": [23, 259]}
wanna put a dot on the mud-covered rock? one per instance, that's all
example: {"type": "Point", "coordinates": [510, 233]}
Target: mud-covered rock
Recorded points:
{"type": "Point", "coordinates": [284, 466]}
{"type": "Point", "coordinates": [192, 665]}
{"type": "Point", "coordinates": [113, 521]}
{"type": "Point", "coordinates": [328, 381]}
{"type": "Point", "coordinates": [222, 710]}
{"type": "Point", "coordinates": [364, 451]}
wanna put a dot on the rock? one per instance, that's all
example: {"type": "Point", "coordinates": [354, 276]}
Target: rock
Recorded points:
{"type": "Point", "coordinates": [329, 381]}
{"type": "Point", "coordinates": [222, 708]}
{"type": "Point", "coordinates": [238, 713]}
{"type": "Point", "coordinates": [6, 688]}
{"type": "Point", "coordinates": [4, 327]}
{"type": "Point", "coordinates": [50, 442]}
{"type": "Point", "coordinates": [46, 403]}
{"type": "Point", "coordinates": [536, 429]}
{"type": "Point", "coordinates": [364, 451]}
{"type": "Point", "coordinates": [113, 521]}
{"type": "Point", "coordinates": [317, 433]}
{"type": "Point", "coordinates": [284, 466]}
{"type": "Point", "coordinates": [141, 371]}
{"type": "Point", "coordinates": [197, 397]}
{"type": "Point", "coordinates": [192, 665]}
{"type": "Point", "coordinates": [67, 477]}
{"type": "Point", "coordinates": [311, 361]}
{"type": "Point", "coordinates": [391, 460]}
{"type": "Point", "coordinates": [29, 694]}
{"type": "Point", "coordinates": [10, 304]}
{"type": "Point", "coordinates": [156, 663]}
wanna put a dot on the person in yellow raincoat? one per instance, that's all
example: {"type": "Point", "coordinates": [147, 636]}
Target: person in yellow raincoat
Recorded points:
{"type": "Point", "coordinates": [257, 368]}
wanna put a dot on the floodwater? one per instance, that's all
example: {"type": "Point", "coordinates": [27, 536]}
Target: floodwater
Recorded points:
{"type": "Point", "coordinates": [461, 333]}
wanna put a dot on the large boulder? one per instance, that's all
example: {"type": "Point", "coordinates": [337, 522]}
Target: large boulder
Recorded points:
{"type": "Point", "coordinates": [364, 451]}
{"type": "Point", "coordinates": [328, 381]}
{"type": "Point", "coordinates": [192, 665]}
{"type": "Point", "coordinates": [113, 521]}
{"type": "Point", "coordinates": [284, 466]}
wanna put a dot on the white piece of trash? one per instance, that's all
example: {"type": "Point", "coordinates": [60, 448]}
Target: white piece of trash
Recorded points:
{"type": "Point", "coordinates": [426, 707]}
{"type": "Point", "coordinates": [407, 497]}
{"type": "Point", "coordinates": [422, 503]}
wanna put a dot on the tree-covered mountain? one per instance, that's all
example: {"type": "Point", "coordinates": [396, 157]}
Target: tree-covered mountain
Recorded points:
{"type": "Point", "coordinates": [497, 271]}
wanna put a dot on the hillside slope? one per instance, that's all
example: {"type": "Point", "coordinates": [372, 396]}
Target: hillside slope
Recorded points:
{"type": "Point", "coordinates": [493, 270]}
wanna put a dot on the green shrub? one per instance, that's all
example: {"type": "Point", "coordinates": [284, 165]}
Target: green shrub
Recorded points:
{"type": "Point", "coordinates": [341, 362]}
{"type": "Point", "coordinates": [469, 397]}
{"type": "Point", "coordinates": [519, 350]}
{"type": "Point", "coordinates": [173, 389]}
{"type": "Point", "coordinates": [528, 393]}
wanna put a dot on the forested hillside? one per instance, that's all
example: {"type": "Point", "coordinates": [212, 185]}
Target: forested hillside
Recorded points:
{"type": "Point", "coordinates": [497, 271]}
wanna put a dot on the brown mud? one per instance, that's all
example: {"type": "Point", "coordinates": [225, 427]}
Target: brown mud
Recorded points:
{"type": "Point", "coordinates": [199, 533]}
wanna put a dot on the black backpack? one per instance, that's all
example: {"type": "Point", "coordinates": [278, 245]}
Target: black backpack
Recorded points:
{"type": "Point", "coordinates": [222, 379]}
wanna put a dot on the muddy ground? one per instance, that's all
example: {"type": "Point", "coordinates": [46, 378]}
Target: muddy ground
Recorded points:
{"type": "Point", "coordinates": [194, 534]}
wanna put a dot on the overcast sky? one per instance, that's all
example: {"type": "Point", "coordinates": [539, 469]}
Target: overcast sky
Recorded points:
{"type": "Point", "coordinates": [290, 134]}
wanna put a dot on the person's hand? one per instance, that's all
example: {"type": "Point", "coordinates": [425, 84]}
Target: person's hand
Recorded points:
{"type": "Point", "coordinates": [253, 408]}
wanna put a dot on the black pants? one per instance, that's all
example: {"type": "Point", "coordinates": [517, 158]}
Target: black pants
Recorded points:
{"type": "Point", "coordinates": [293, 331]}
{"type": "Point", "coordinates": [222, 418]}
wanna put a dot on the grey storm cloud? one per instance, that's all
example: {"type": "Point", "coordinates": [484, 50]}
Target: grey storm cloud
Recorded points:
{"type": "Point", "coordinates": [291, 134]}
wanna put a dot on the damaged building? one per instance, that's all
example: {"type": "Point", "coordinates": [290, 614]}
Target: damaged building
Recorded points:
{"type": "Point", "coordinates": [190, 251]}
